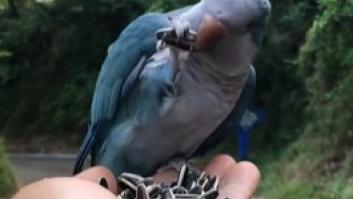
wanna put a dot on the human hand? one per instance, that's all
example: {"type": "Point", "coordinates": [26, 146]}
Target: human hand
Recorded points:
{"type": "Point", "coordinates": [93, 183]}
{"type": "Point", "coordinates": [237, 181]}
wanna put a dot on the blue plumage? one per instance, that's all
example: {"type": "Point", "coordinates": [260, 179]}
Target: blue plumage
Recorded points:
{"type": "Point", "coordinates": [138, 40]}
{"type": "Point", "coordinates": [152, 105]}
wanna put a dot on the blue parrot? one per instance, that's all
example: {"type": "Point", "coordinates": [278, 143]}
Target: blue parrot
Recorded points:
{"type": "Point", "coordinates": [176, 96]}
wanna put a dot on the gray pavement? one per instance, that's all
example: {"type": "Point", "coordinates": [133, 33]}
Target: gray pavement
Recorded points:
{"type": "Point", "coordinates": [32, 167]}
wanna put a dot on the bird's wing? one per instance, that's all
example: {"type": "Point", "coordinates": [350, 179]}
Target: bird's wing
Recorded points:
{"type": "Point", "coordinates": [232, 121]}
{"type": "Point", "coordinates": [119, 72]}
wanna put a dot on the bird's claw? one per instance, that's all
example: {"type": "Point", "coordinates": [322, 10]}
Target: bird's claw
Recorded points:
{"type": "Point", "coordinates": [179, 35]}
{"type": "Point", "coordinates": [181, 28]}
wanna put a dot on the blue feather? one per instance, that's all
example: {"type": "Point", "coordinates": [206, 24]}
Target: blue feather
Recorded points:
{"type": "Point", "coordinates": [136, 41]}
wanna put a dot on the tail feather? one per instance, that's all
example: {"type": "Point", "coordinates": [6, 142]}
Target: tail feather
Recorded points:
{"type": "Point", "coordinates": [86, 147]}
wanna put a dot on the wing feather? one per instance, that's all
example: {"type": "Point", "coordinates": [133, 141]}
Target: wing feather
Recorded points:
{"type": "Point", "coordinates": [136, 41]}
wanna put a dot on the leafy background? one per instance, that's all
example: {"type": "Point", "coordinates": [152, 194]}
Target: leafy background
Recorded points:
{"type": "Point", "coordinates": [51, 52]}
{"type": "Point", "coordinates": [7, 180]}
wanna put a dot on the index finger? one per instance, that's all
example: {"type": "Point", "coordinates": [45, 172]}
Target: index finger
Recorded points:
{"type": "Point", "coordinates": [100, 175]}
{"type": "Point", "coordinates": [220, 165]}
{"type": "Point", "coordinates": [240, 181]}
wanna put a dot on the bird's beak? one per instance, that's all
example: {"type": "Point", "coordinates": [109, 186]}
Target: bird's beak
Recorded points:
{"type": "Point", "coordinates": [210, 32]}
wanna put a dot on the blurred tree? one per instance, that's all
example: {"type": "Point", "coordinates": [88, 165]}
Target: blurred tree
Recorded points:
{"type": "Point", "coordinates": [12, 8]}
{"type": "Point", "coordinates": [7, 180]}
{"type": "Point", "coordinates": [49, 58]}
{"type": "Point", "coordinates": [280, 89]}
{"type": "Point", "coordinates": [319, 163]}
{"type": "Point", "coordinates": [326, 62]}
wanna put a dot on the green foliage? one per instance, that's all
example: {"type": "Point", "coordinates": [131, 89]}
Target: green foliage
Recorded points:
{"type": "Point", "coordinates": [326, 61]}
{"type": "Point", "coordinates": [50, 57]}
{"type": "Point", "coordinates": [280, 89]}
{"type": "Point", "coordinates": [321, 157]}
{"type": "Point", "coordinates": [294, 190]}
{"type": "Point", "coordinates": [7, 180]}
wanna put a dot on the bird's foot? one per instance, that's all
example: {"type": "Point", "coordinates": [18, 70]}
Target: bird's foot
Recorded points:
{"type": "Point", "coordinates": [181, 28]}
{"type": "Point", "coordinates": [179, 35]}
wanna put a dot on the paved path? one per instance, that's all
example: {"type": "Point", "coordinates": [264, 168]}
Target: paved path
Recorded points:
{"type": "Point", "coordinates": [32, 167]}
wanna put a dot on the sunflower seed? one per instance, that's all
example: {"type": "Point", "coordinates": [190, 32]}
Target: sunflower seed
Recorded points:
{"type": "Point", "coordinates": [190, 184]}
{"type": "Point", "coordinates": [141, 192]}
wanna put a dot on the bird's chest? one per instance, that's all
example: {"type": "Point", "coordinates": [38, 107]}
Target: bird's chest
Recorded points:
{"type": "Point", "coordinates": [186, 118]}
{"type": "Point", "coordinates": [194, 103]}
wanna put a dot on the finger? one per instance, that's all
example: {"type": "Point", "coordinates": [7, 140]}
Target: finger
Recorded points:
{"type": "Point", "coordinates": [240, 181]}
{"type": "Point", "coordinates": [220, 165]}
{"type": "Point", "coordinates": [63, 188]}
{"type": "Point", "coordinates": [100, 175]}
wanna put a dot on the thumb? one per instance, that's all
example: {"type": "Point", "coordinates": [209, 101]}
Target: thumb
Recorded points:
{"type": "Point", "coordinates": [240, 181]}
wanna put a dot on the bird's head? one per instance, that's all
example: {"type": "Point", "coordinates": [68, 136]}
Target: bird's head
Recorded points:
{"type": "Point", "coordinates": [231, 17]}
{"type": "Point", "coordinates": [209, 21]}
{"type": "Point", "coordinates": [227, 32]}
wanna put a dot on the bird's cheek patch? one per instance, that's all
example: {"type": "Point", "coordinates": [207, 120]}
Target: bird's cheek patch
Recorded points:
{"type": "Point", "coordinates": [210, 32]}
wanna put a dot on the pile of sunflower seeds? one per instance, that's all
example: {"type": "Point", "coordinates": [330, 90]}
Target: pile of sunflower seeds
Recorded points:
{"type": "Point", "coordinates": [188, 185]}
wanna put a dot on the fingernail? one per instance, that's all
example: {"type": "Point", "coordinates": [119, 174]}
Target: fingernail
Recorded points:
{"type": "Point", "coordinates": [103, 182]}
